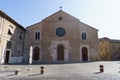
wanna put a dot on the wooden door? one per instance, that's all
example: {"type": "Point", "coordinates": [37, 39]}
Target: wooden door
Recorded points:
{"type": "Point", "coordinates": [60, 51]}
{"type": "Point", "coordinates": [84, 54]}
{"type": "Point", "coordinates": [36, 53]}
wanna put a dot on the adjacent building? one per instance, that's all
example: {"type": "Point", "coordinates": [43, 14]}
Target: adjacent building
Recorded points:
{"type": "Point", "coordinates": [12, 37]}
{"type": "Point", "coordinates": [109, 49]}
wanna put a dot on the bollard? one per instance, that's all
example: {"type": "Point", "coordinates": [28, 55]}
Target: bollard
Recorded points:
{"type": "Point", "coordinates": [101, 68]}
{"type": "Point", "coordinates": [42, 70]}
{"type": "Point", "coordinates": [17, 71]}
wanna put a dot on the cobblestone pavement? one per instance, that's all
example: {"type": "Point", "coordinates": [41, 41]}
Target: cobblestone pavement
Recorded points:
{"type": "Point", "coordinates": [69, 71]}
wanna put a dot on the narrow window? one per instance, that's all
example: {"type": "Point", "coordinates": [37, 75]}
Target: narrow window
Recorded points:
{"type": "Point", "coordinates": [10, 30]}
{"type": "Point", "coordinates": [37, 35]}
{"type": "Point", "coordinates": [20, 37]}
{"type": "Point", "coordinates": [9, 44]}
{"type": "Point", "coordinates": [83, 36]}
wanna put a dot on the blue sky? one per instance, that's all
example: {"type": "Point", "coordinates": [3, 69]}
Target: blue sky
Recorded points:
{"type": "Point", "coordinates": [103, 15]}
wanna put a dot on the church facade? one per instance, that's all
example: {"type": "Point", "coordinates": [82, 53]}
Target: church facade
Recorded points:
{"type": "Point", "coordinates": [57, 38]}
{"type": "Point", "coordinates": [62, 37]}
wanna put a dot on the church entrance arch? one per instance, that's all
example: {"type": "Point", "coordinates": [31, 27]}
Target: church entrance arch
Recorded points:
{"type": "Point", "coordinates": [84, 54]}
{"type": "Point", "coordinates": [36, 53]}
{"type": "Point", "coordinates": [60, 52]}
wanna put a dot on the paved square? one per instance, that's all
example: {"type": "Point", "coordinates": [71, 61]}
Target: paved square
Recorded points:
{"type": "Point", "coordinates": [69, 71]}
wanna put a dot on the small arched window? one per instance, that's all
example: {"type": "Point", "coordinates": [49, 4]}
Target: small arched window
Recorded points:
{"type": "Point", "coordinates": [84, 35]}
{"type": "Point", "coordinates": [37, 35]}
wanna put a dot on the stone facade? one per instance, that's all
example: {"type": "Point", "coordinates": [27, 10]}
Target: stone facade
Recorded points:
{"type": "Point", "coordinates": [62, 37]}
{"type": "Point", "coordinates": [58, 38]}
{"type": "Point", "coordinates": [109, 49]}
{"type": "Point", "coordinates": [11, 40]}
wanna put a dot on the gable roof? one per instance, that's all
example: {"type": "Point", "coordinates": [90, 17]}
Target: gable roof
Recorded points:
{"type": "Point", "coordinates": [51, 16]}
{"type": "Point", "coordinates": [60, 11]}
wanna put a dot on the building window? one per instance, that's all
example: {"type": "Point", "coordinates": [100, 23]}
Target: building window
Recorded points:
{"type": "Point", "coordinates": [60, 18]}
{"type": "Point", "coordinates": [10, 31]}
{"type": "Point", "coordinates": [9, 44]}
{"type": "Point", "coordinates": [83, 35]}
{"type": "Point", "coordinates": [60, 32]}
{"type": "Point", "coordinates": [37, 35]}
{"type": "Point", "coordinates": [20, 37]}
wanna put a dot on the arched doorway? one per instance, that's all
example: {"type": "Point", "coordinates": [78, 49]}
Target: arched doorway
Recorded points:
{"type": "Point", "coordinates": [60, 53]}
{"type": "Point", "coordinates": [36, 53]}
{"type": "Point", "coordinates": [84, 54]}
